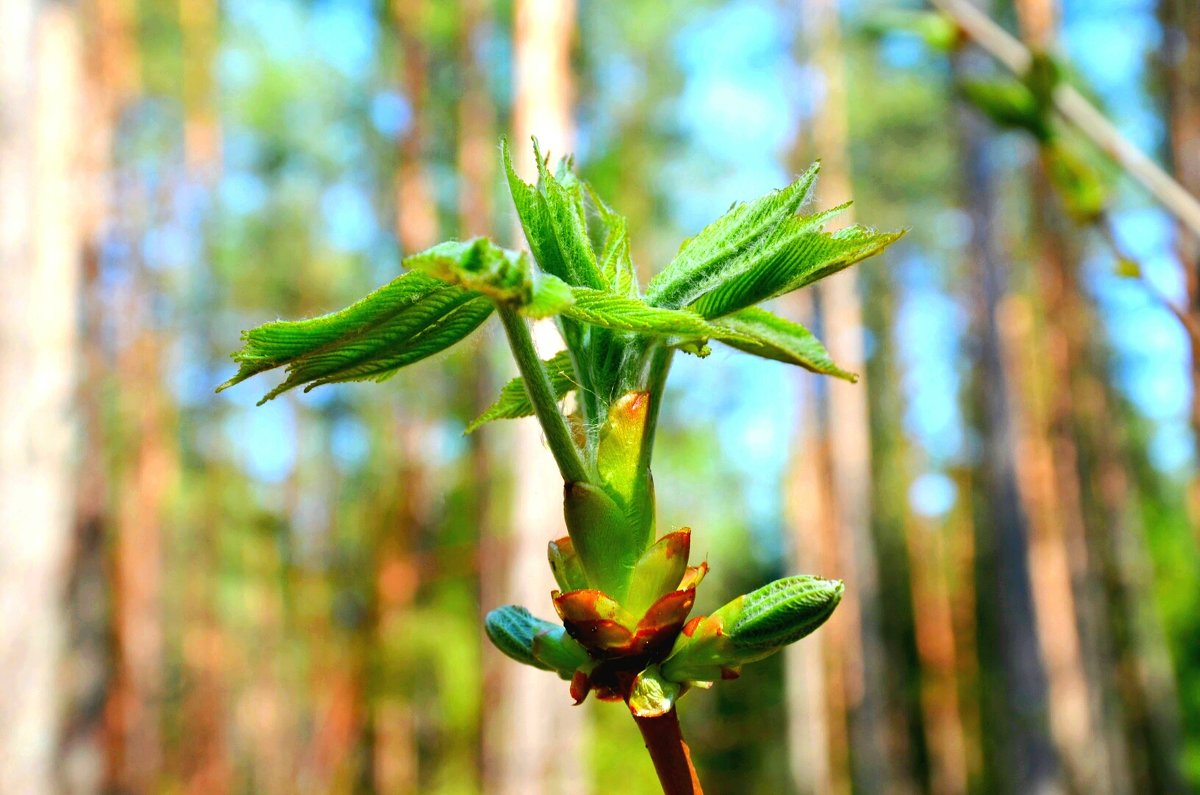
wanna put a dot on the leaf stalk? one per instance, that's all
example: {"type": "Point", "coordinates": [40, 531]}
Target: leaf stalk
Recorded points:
{"type": "Point", "coordinates": [541, 395]}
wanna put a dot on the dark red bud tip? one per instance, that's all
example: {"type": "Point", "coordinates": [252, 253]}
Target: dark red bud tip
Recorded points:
{"type": "Point", "coordinates": [581, 685]}
{"type": "Point", "coordinates": [730, 673]}
{"type": "Point", "coordinates": [690, 627]}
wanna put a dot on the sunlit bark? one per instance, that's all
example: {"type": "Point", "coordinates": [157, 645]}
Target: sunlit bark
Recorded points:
{"type": "Point", "coordinates": [40, 109]}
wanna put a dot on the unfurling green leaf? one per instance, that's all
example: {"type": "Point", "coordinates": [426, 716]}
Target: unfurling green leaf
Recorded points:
{"type": "Point", "coordinates": [502, 275]}
{"type": "Point", "coordinates": [758, 251]}
{"type": "Point", "coordinates": [533, 641]}
{"type": "Point", "coordinates": [409, 319]}
{"type": "Point", "coordinates": [780, 339]}
{"type": "Point", "coordinates": [554, 220]}
{"type": "Point", "coordinates": [659, 570]}
{"type": "Point", "coordinates": [702, 259]}
{"type": "Point", "coordinates": [751, 627]}
{"type": "Point", "coordinates": [512, 629]}
{"type": "Point", "coordinates": [612, 311]}
{"type": "Point", "coordinates": [800, 254]}
{"type": "Point", "coordinates": [1009, 103]}
{"type": "Point", "coordinates": [513, 401]}
{"type": "Point", "coordinates": [652, 694]}
{"type": "Point", "coordinates": [780, 613]}
{"type": "Point", "coordinates": [613, 237]}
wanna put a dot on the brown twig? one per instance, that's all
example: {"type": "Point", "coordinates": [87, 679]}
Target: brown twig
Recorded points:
{"type": "Point", "coordinates": [1075, 108]}
{"type": "Point", "coordinates": [670, 754]}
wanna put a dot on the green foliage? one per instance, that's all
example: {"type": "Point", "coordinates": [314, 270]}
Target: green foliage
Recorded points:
{"type": "Point", "coordinates": [934, 28]}
{"type": "Point", "coordinates": [1010, 104]}
{"type": "Point", "coordinates": [530, 640]}
{"type": "Point", "coordinates": [774, 337]}
{"type": "Point", "coordinates": [506, 277]}
{"type": "Point", "coordinates": [625, 598]}
{"type": "Point", "coordinates": [619, 313]}
{"type": "Point", "coordinates": [780, 613]}
{"type": "Point", "coordinates": [409, 319]}
{"type": "Point", "coordinates": [752, 627]}
{"type": "Point", "coordinates": [514, 401]}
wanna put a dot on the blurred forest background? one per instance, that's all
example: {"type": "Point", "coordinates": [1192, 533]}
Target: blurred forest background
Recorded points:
{"type": "Point", "coordinates": [202, 596]}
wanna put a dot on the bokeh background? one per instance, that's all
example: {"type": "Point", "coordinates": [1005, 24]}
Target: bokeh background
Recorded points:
{"type": "Point", "coordinates": [198, 595]}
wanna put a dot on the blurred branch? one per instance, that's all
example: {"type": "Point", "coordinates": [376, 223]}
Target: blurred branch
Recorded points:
{"type": "Point", "coordinates": [1076, 109]}
{"type": "Point", "coordinates": [1107, 228]}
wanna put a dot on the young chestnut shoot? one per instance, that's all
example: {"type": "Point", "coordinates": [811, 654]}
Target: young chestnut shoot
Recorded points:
{"type": "Point", "coordinates": [625, 594]}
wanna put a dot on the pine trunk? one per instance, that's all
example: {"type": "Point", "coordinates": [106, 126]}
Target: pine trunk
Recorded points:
{"type": "Point", "coordinates": [40, 109]}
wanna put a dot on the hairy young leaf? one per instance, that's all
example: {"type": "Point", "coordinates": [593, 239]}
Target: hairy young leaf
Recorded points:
{"type": "Point", "coordinates": [502, 275]}
{"type": "Point", "coordinates": [553, 218]}
{"type": "Point", "coordinates": [702, 259]}
{"type": "Point", "coordinates": [611, 241]}
{"type": "Point", "coordinates": [799, 253]}
{"type": "Point", "coordinates": [514, 401]}
{"type": "Point", "coordinates": [409, 319]}
{"type": "Point", "coordinates": [780, 613]}
{"type": "Point", "coordinates": [612, 311]}
{"type": "Point", "coordinates": [782, 340]}
{"type": "Point", "coordinates": [512, 629]}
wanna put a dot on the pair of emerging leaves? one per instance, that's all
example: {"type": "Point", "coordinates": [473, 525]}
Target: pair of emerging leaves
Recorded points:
{"type": "Point", "coordinates": [584, 278]}
{"type": "Point", "coordinates": [710, 648]}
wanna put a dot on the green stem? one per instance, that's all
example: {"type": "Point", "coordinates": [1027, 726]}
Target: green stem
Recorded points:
{"type": "Point", "coordinates": [660, 365]}
{"type": "Point", "coordinates": [537, 384]}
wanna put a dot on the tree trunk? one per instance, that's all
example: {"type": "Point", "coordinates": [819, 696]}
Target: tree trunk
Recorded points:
{"type": "Point", "coordinates": [1021, 755]}
{"type": "Point", "coordinates": [40, 97]}
{"type": "Point", "coordinates": [847, 444]}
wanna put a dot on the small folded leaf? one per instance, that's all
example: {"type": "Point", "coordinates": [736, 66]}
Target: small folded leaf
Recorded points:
{"type": "Point", "coordinates": [502, 275]}
{"type": "Point", "coordinates": [514, 402]}
{"type": "Point", "coordinates": [652, 695]}
{"type": "Point", "coordinates": [554, 647]}
{"type": "Point", "coordinates": [781, 340]}
{"type": "Point", "coordinates": [608, 538]}
{"type": "Point", "coordinates": [618, 451]}
{"type": "Point", "coordinates": [616, 266]}
{"type": "Point", "coordinates": [751, 627]}
{"type": "Point", "coordinates": [566, 566]}
{"type": "Point", "coordinates": [411, 318]}
{"type": "Point", "coordinates": [659, 571]}
{"type": "Point", "coordinates": [780, 613]}
{"type": "Point", "coordinates": [552, 216]}
{"type": "Point", "coordinates": [512, 630]}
